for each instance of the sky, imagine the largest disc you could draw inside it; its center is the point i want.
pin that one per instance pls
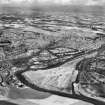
(53, 2)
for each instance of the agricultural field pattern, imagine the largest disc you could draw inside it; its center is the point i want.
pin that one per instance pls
(60, 53)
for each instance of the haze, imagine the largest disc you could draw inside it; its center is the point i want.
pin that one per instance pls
(53, 2)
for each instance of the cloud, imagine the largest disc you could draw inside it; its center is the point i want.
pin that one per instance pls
(72, 2)
(59, 2)
(55, 1)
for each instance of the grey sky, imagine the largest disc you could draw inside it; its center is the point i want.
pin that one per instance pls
(59, 2)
